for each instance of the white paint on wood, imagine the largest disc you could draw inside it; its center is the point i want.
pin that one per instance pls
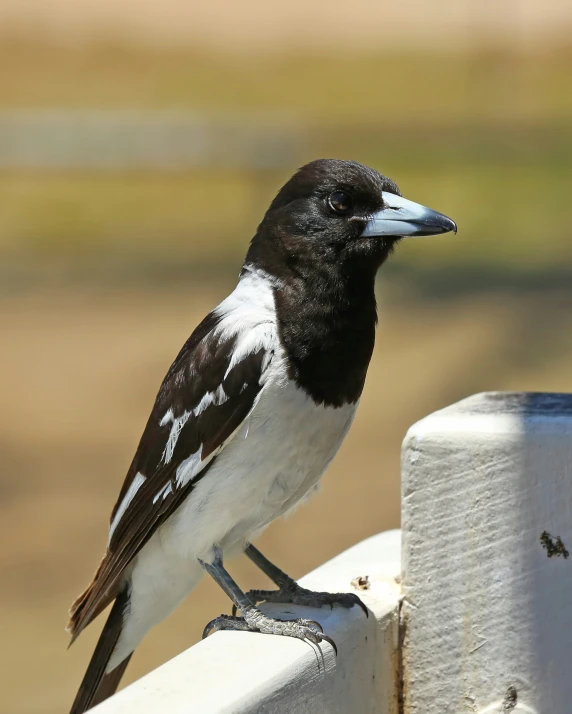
(247, 673)
(487, 614)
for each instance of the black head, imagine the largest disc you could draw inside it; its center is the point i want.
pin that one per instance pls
(338, 212)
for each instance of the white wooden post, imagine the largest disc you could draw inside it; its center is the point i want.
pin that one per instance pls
(245, 673)
(487, 581)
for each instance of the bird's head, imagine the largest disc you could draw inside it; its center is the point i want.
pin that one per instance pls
(342, 213)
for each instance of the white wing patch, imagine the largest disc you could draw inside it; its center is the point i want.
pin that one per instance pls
(249, 313)
(164, 492)
(178, 424)
(217, 398)
(167, 418)
(136, 484)
(259, 338)
(190, 467)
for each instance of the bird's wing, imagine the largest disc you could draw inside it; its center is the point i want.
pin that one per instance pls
(206, 396)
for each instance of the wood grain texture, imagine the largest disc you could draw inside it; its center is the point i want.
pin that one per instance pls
(486, 610)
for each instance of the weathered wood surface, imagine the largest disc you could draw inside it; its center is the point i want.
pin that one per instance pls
(487, 581)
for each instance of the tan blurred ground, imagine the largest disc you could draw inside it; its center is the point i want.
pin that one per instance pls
(257, 24)
(79, 372)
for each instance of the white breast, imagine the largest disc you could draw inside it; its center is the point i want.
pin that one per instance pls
(275, 460)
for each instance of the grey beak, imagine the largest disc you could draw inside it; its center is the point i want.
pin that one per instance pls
(401, 218)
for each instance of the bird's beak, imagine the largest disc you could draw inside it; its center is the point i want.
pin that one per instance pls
(401, 218)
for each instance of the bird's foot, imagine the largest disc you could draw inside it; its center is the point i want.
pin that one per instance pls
(256, 621)
(298, 595)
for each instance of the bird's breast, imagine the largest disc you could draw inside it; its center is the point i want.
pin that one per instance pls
(274, 461)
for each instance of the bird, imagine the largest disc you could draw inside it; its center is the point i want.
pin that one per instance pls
(250, 415)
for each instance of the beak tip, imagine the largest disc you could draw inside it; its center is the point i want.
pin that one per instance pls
(402, 218)
(448, 224)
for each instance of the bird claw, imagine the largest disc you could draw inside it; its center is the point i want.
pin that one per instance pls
(308, 598)
(224, 622)
(256, 621)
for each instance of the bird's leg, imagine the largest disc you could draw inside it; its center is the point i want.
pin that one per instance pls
(290, 591)
(252, 618)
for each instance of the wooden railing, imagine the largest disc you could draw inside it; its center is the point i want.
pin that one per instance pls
(475, 615)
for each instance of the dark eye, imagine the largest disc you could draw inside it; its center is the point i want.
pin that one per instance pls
(340, 202)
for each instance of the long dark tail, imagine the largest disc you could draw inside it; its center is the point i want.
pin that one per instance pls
(96, 684)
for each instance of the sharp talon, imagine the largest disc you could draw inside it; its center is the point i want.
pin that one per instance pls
(208, 629)
(234, 610)
(316, 624)
(224, 622)
(213, 626)
(329, 639)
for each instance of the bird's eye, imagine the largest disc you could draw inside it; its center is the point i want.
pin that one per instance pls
(340, 202)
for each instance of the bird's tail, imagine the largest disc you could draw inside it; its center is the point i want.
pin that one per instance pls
(97, 685)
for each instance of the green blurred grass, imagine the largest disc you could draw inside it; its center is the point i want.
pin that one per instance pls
(486, 138)
(484, 85)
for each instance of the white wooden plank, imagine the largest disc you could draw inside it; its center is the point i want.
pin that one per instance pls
(487, 613)
(246, 673)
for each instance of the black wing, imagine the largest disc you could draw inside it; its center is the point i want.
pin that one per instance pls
(203, 400)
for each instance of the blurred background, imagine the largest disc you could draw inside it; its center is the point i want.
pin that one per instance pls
(140, 144)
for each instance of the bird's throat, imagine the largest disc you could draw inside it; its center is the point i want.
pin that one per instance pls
(327, 327)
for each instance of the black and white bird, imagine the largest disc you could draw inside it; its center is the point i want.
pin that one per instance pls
(250, 414)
